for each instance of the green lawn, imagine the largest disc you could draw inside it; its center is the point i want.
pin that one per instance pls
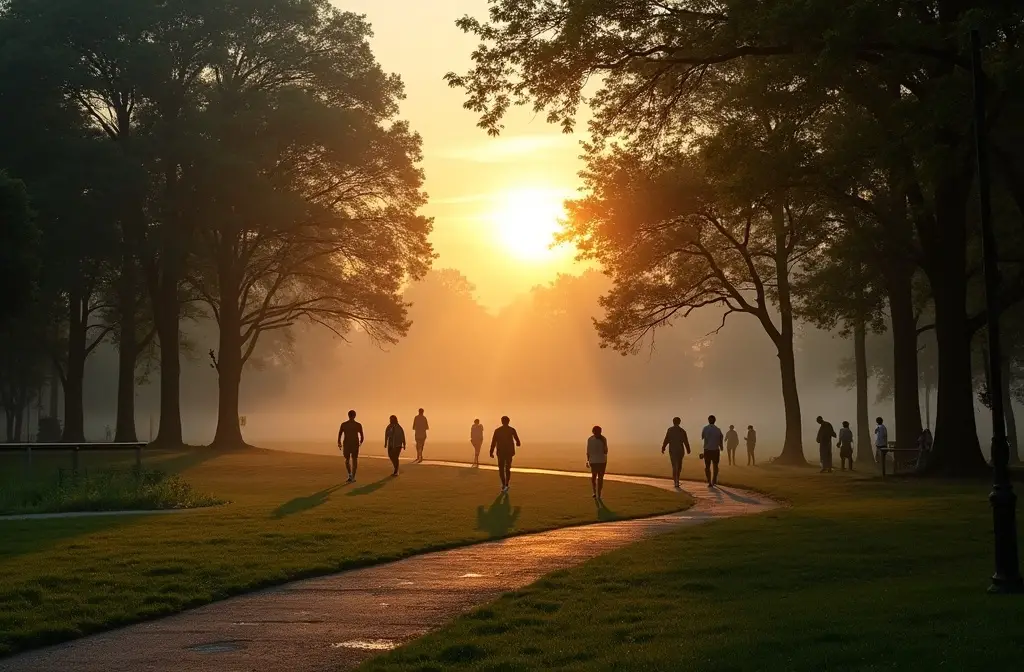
(855, 575)
(290, 516)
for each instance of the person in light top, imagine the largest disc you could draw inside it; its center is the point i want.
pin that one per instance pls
(597, 460)
(846, 445)
(476, 437)
(713, 439)
(881, 439)
(419, 430)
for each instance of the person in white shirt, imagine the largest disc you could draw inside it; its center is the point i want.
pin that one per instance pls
(476, 437)
(419, 428)
(881, 439)
(597, 460)
(713, 439)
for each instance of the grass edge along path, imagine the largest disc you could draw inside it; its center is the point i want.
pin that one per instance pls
(857, 574)
(96, 574)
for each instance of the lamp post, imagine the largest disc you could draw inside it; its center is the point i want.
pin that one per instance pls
(1006, 578)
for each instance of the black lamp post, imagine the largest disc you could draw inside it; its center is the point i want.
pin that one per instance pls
(1007, 577)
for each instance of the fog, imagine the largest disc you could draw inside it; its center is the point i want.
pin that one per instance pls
(537, 360)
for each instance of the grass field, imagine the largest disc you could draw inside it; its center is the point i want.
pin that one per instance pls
(856, 575)
(290, 516)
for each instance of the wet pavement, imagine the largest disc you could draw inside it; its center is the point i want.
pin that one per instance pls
(336, 622)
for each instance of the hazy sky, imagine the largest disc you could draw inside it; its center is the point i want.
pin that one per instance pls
(495, 200)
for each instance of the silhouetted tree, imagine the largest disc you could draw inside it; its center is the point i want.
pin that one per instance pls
(650, 56)
(308, 187)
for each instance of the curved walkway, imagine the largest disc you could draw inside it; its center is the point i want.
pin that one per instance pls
(336, 622)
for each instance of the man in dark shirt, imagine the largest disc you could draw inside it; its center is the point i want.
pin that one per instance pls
(350, 437)
(504, 442)
(676, 442)
(826, 432)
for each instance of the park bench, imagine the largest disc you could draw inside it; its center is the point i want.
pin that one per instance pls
(907, 457)
(75, 449)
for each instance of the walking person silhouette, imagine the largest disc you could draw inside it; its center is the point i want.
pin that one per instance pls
(504, 443)
(350, 438)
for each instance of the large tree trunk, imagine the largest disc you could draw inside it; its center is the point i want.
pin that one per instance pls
(166, 309)
(793, 448)
(860, 358)
(899, 287)
(229, 360)
(127, 354)
(74, 378)
(956, 450)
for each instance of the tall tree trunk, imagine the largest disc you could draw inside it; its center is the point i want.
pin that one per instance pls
(166, 315)
(229, 361)
(956, 450)
(74, 378)
(899, 287)
(860, 360)
(127, 352)
(793, 448)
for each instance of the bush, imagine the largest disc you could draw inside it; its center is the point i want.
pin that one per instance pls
(108, 490)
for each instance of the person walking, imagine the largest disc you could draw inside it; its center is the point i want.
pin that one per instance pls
(712, 437)
(846, 446)
(419, 429)
(394, 442)
(751, 444)
(676, 442)
(597, 460)
(350, 438)
(881, 440)
(476, 437)
(732, 442)
(826, 432)
(504, 442)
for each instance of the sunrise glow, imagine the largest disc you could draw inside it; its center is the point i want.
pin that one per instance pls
(526, 221)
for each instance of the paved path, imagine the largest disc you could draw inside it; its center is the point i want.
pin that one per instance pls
(336, 622)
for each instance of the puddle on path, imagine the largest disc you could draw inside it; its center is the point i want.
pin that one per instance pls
(366, 644)
(216, 647)
(472, 576)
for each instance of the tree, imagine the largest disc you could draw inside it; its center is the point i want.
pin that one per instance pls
(650, 56)
(675, 240)
(307, 187)
(19, 249)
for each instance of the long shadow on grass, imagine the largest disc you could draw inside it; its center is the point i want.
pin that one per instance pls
(300, 504)
(604, 513)
(498, 519)
(371, 488)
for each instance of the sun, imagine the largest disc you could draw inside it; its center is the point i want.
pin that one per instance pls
(526, 221)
